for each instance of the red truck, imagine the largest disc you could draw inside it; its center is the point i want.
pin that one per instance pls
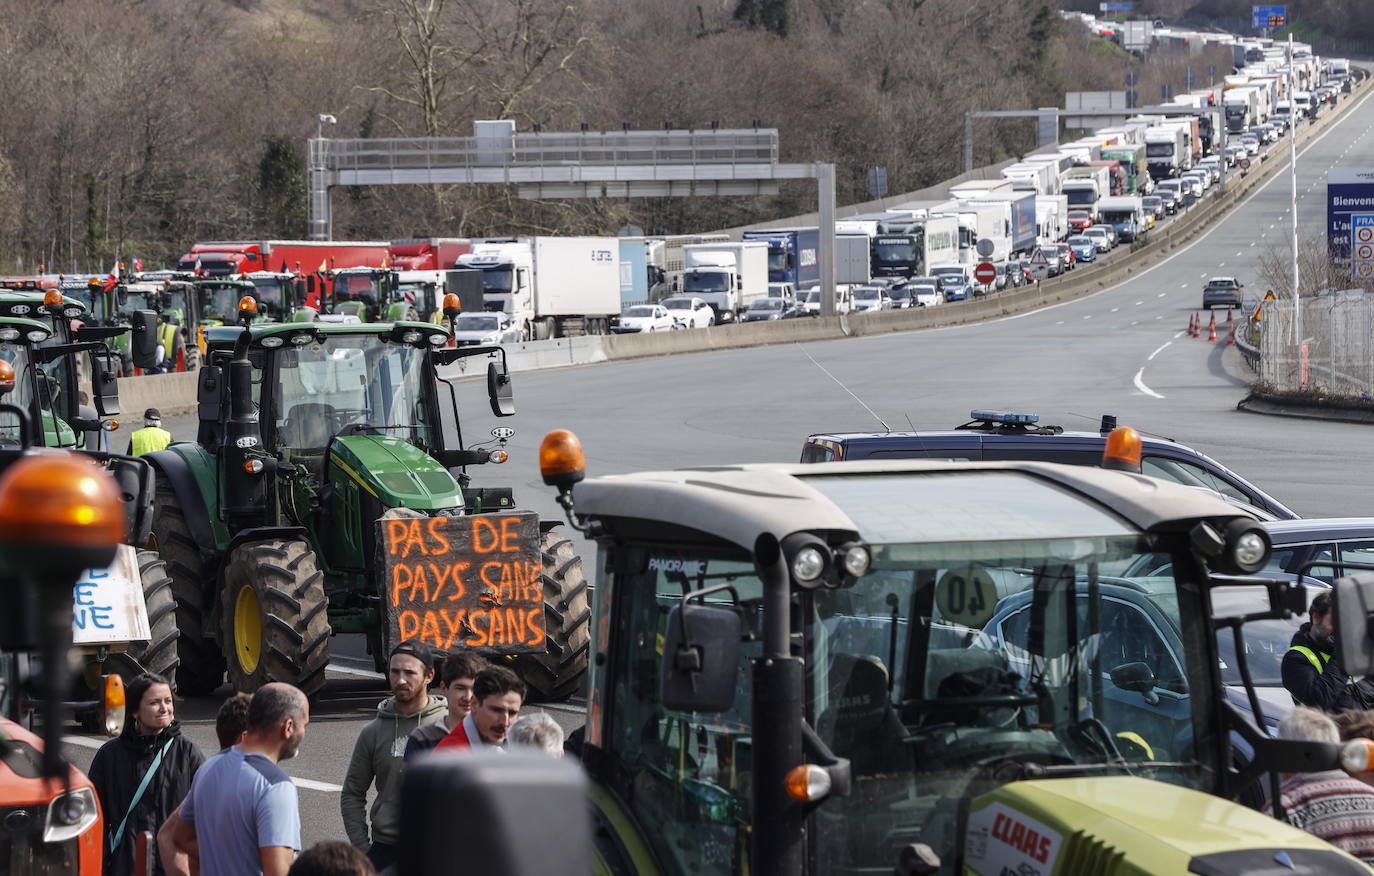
(434, 254)
(222, 258)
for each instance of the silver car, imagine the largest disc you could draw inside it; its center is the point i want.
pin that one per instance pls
(488, 327)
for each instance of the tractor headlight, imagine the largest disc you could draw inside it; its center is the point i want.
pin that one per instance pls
(20, 309)
(809, 564)
(272, 342)
(72, 312)
(437, 340)
(300, 339)
(9, 334)
(70, 815)
(411, 337)
(37, 336)
(855, 559)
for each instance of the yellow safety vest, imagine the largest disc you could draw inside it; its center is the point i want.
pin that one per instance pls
(1317, 661)
(167, 337)
(149, 439)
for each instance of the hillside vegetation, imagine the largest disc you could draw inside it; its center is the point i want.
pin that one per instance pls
(134, 127)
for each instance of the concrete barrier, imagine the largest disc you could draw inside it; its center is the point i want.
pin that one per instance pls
(169, 393)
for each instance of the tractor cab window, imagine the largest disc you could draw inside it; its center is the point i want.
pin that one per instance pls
(22, 394)
(57, 401)
(220, 301)
(360, 384)
(689, 772)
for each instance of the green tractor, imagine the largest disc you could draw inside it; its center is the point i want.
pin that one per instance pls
(50, 356)
(366, 295)
(327, 492)
(177, 305)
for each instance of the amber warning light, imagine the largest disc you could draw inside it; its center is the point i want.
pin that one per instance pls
(452, 305)
(52, 298)
(61, 502)
(1123, 450)
(561, 460)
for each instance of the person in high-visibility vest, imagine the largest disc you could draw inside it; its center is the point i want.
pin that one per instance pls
(1311, 672)
(151, 437)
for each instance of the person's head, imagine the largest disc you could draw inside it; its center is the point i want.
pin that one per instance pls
(537, 730)
(499, 694)
(152, 417)
(410, 670)
(277, 718)
(150, 703)
(232, 719)
(1355, 724)
(332, 858)
(1308, 725)
(456, 678)
(1319, 612)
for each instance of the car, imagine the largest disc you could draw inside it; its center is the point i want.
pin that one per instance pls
(484, 327)
(994, 435)
(1080, 219)
(1054, 259)
(1221, 292)
(957, 285)
(1182, 192)
(1251, 144)
(769, 309)
(1001, 281)
(1168, 198)
(871, 299)
(810, 300)
(783, 291)
(1111, 232)
(1235, 153)
(1068, 255)
(690, 312)
(902, 298)
(1083, 247)
(1099, 238)
(926, 291)
(1211, 164)
(1201, 180)
(1153, 205)
(644, 318)
(1013, 273)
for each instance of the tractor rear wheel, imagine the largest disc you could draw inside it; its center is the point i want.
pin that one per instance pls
(558, 674)
(274, 616)
(192, 357)
(201, 668)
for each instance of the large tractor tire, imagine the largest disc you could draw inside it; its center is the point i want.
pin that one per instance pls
(274, 616)
(201, 668)
(559, 674)
(192, 357)
(160, 653)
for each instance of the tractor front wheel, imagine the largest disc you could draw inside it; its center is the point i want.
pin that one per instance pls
(274, 616)
(559, 673)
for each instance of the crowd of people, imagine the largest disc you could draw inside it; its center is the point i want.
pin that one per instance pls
(238, 813)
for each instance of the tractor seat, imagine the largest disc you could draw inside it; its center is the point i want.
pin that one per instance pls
(309, 426)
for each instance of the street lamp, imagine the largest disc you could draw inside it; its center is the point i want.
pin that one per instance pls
(320, 121)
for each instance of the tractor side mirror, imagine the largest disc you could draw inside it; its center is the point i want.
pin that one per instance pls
(143, 338)
(499, 389)
(208, 393)
(701, 658)
(1136, 677)
(105, 383)
(1353, 607)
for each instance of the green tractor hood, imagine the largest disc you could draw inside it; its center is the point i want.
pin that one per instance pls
(399, 474)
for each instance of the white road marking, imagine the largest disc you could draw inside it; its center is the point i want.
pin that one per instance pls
(1158, 351)
(308, 784)
(1140, 383)
(1088, 316)
(1060, 322)
(1161, 295)
(1138, 303)
(1115, 309)
(1159, 317)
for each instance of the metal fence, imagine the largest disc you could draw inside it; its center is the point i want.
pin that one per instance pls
(1335, 356)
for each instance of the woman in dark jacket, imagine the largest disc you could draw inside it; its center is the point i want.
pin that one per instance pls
(151, 736)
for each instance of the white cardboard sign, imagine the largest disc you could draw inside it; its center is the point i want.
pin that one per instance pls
(107, 604)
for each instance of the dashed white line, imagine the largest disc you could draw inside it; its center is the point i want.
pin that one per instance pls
(1088, 316)
(1139, 382)
(1115, 309)
(1138, 303)
(1161, 295)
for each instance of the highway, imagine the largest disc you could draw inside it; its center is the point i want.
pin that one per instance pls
(1121, 351)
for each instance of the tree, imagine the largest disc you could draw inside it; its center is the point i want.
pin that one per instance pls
(282, 189)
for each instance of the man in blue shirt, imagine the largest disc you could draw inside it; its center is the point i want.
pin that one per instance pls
(241, 815)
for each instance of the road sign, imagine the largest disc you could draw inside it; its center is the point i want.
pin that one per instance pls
(1116, 7)
(1349, 193)
(985, 247)
(1245, 164)
(877, 182)
(1268, 16)
(1362, 245)
(1040, 273)
(985, 273)
(1039, 258)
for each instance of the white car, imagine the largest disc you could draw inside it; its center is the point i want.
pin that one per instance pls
(871, 298)
(645, 318)
(1251, 144)
(690, 312)
(488, 327)
(810, 300)
(926, 294)
(1100, 237)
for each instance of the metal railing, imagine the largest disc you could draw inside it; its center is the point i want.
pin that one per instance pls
(1335, 356)
(586, 148)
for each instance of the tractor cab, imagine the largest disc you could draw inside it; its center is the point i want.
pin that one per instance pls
(366, 295)
(220, 296)
(281, 295)
(916, 667)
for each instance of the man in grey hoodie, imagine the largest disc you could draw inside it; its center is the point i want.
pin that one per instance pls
(377, 756)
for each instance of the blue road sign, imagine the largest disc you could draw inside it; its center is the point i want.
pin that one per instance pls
(1117, 7)
(1349, 192)
(1268, 16)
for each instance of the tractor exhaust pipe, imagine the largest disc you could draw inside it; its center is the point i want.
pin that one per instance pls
(242, 453)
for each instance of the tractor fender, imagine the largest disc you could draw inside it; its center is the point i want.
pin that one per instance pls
(173, 467)
(261, 533)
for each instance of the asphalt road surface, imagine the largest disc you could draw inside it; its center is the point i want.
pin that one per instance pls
(1121, 351)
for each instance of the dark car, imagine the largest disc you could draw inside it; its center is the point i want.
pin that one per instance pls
(994, 435)
(901, 298)
(1154, 204)
(769, 308)
(1221, 292)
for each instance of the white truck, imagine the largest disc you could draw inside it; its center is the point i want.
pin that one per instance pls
(1242, 109)
(729, 276)
(976, 187)
(1124, 213)
(550, 286)
(1051, 219)
(1083, 186)
(981, 220)
(1041, 178)
(1166, 151)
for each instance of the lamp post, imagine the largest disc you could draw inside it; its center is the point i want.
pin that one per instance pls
(320, 121)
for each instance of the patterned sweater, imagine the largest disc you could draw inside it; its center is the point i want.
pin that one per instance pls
(1332, 806)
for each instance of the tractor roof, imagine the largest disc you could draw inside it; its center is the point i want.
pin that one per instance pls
(892, 501)
(14, 302)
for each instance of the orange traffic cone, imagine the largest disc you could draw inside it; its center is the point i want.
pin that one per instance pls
(181, 359)
(1212, 329)
(1192, 325)
(1230, 323)
(1231, 339)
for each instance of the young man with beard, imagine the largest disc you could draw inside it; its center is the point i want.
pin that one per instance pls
(455, 683)
(499, 695)
(377, 755)
(242, 815)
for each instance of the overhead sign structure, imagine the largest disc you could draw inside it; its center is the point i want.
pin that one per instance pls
(1348, 191)
(1268, 16)
(1362, 245)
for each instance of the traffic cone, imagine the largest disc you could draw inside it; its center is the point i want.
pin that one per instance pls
(1231, 339)
(1191, 319)
(1212, 329)
(181, 359)
(1230, 323)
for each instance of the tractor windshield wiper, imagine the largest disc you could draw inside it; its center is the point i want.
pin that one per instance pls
(1032, 770)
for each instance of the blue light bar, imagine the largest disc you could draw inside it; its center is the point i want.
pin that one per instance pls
(1005, 418)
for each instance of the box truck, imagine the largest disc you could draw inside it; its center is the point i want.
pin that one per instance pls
(728, 276)
(1125, 214)
(1021, 207)
(793, 254)
(1166, 151)
(1051, 219)
(932, 240)
(980, 220)
(550, 286)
